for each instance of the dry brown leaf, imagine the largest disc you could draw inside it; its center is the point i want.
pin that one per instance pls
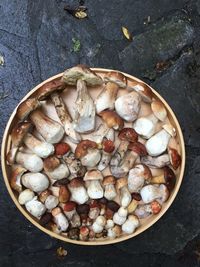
(80, 14)
(61, 252)
(127, 34)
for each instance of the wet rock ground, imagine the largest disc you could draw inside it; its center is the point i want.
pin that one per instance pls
(36, 43)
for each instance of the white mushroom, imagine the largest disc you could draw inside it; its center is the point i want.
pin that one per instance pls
(138, 176)
(142, 89)
(125, 196)
(154, 192)
(157, 144)
(25, 196)
(114, 232)
(144, 210)
(130, 224)
(99, 224)
(35, 181)
(156, 162)
(50, 130)
(109, 187)
(94, 189)
(106, 98)
(35, 207)
(128, 106)
(58, 173)
(145, 126)
(78, 191)
(98, 135)
(60, 219)
(120, 216)
(109, 224)
(69, 209)
(51, 202)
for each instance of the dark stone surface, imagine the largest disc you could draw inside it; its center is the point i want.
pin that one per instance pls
(36, 43)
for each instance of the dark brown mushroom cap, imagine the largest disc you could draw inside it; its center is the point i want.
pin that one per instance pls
(170, 178)
(138, 148)
(112, 119)
(128, 134)
(93, 175)
(26, 107)
(51, 163)
(143, 90)
(69, 206)
(76, 182)
(175, 158)
(109, 180)
(19, 132)
(81, 72)
(108, 146)
(82, 148)
(48, 88)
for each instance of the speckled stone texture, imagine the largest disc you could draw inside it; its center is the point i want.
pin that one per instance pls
(36, 43)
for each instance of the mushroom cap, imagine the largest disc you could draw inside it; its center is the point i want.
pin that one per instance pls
(11, 156)
(51, 163)
(93, 175)
(44, 194)
(112, 119)
(128, 134)
(108, 146)
(175, 158)
(116, 77)
(19, 132)
(109, 180)
(81, 72)
(159, 110)
(143, 90)
(170, 129)
(15, 179)
(25, 196)
(48, 88)
(76, 182)
(26, 107)
(170, 178)
(37, 182)
(82, 148)
(69, 206)
(121, 182)
(138, 148)
(56, 211)
(165, 192)
(144, 171)
(61, 149)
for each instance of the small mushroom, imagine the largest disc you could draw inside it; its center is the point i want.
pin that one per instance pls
(138, 176)
(15, 179)
(114, 232)
(132, 206)
(157, 144)
(156, 162)
(125, 196)
(106, 98)
(159, 110)
(84, 233)
(88, 153)
(65, 118)
(26, 107)
(83, 211)
(62, 149)
(60, 219)
(75, 220)
(51, 202)
(120, 216)
(75, 167)
(94, 188)
(144, 210)
(31, 162)
(145, 126)
(64, 194)
(175, 158)
(168, 178)
(130, 224)
(50, 130)
(142, 89)
(54, 169)
(98, 135)
(35, 207)
(99, 224)
(109, 187)
(128, 106)
(81, 76)
(94, 210)
(25, 196)
(111, 119)
(78, 191)
(19, 132)
(69, 209)
(136, 149)
(150, 193)
(37, 182)
(108, 147)
(109, 224)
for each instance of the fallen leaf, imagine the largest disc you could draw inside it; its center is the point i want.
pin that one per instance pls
(78, 12)
(127, 34)
(61, 252)
(76, 45)
(2, 61)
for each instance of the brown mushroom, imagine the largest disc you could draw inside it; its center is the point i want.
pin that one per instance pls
(78, 191)
(111, 119)
(175, 158)
(109, 187)
(142, 89)
(26, 107)
(168, 178)
(15, 179)
(156, 162)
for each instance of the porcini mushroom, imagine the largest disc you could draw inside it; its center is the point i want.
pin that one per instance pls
(174, 157)
(157, 144)
(78, 191)
(65, 118)
(107, 148)
(35, 207)
(31, 162)
(124, 194)
(138, 176)
(25, 196)
(94, 210)
(144, 210)
(15, 179)
(130, 224)
(145, 126)
(112, 119)
(99, 224)
(128, 106)
(69, 209)
(114, 232)
(156, 162)
(159, 110)
(94, 188)
(168, 178)
(88, 153)
(50, 130)
(154, 192)
(106, 98)
(26, 107)
(120, 216)
(37, 182)
(60, 219)
(81, 76)
(50, 201)
(109, 187)
(75, 167)
(55, 169)
(64, 194)
(142, 89)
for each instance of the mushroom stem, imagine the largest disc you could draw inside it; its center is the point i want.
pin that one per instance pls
(65, 117)
(51, 130)
(31, 162)
(156, 162)
(145, 126)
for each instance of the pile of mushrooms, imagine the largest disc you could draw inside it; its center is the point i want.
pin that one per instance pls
(89, 180)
